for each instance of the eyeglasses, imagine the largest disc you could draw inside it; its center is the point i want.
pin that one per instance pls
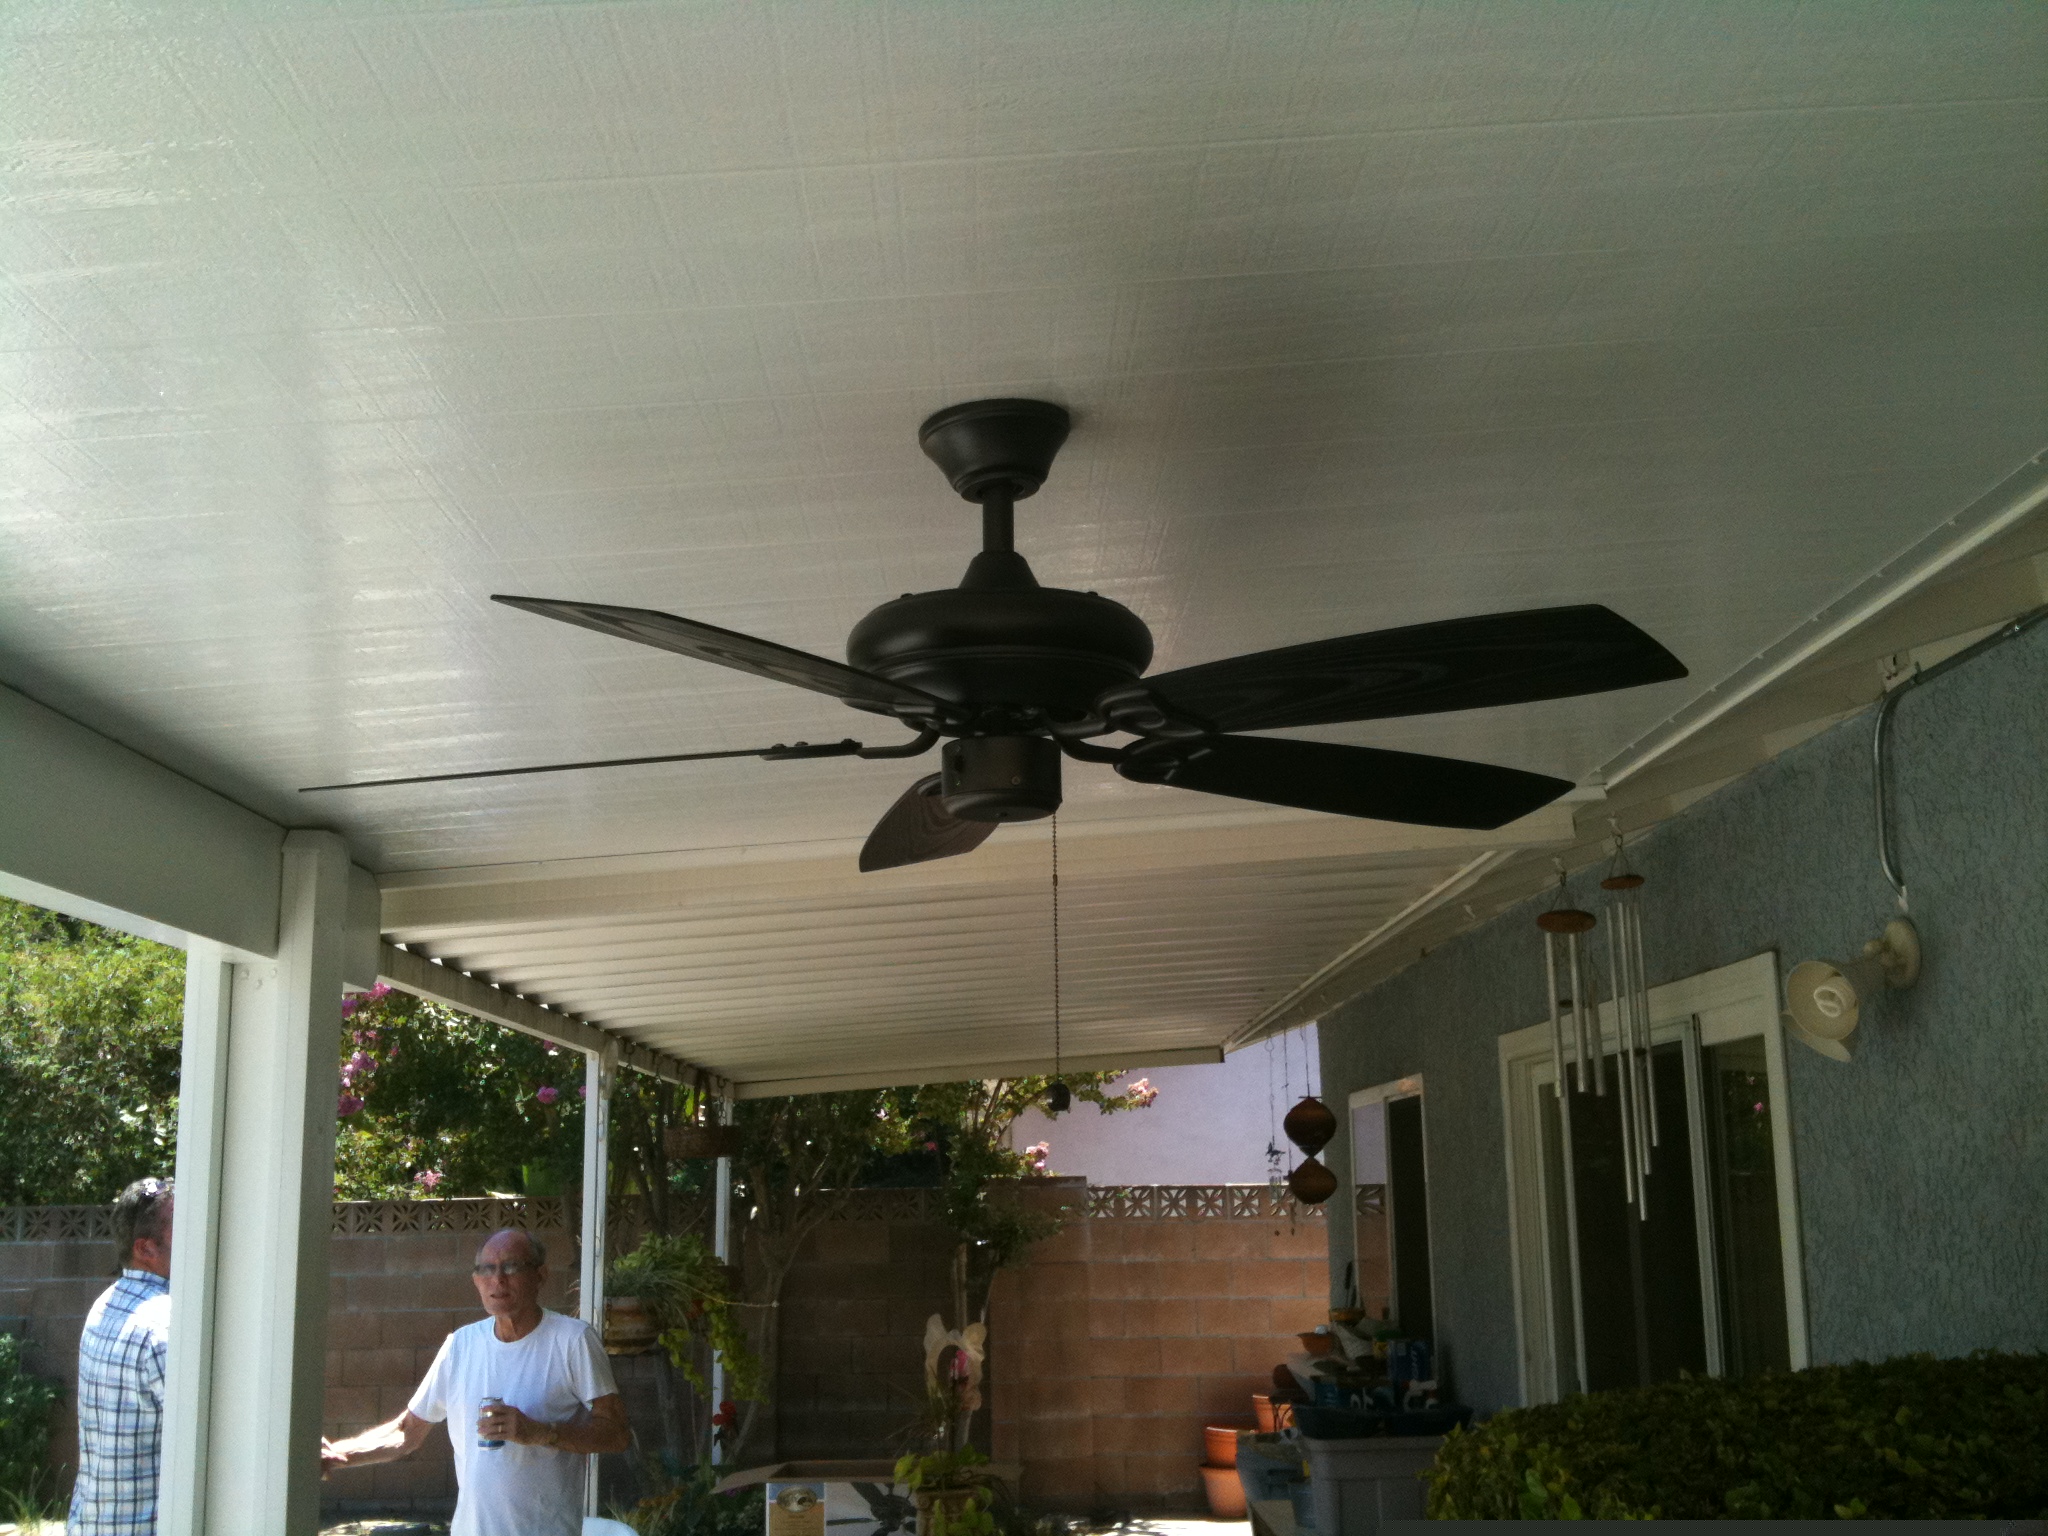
(510, 1269)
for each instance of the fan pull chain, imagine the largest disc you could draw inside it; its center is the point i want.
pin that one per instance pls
(1056, 1072)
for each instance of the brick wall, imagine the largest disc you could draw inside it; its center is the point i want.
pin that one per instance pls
(1161, 1310)
(1123, 1337)
(852, 1333)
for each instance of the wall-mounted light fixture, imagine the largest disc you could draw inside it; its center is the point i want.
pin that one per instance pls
(1824, 998)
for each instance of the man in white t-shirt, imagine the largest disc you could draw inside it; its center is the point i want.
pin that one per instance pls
(551, 1402)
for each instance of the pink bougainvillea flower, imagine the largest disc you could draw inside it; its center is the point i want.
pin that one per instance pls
(583, 1093)
(548, 1093)
(347, 1105)
(380, 991)
(1142, 1092)
(1036, 1155)
(931, 1146)
(428, 1178)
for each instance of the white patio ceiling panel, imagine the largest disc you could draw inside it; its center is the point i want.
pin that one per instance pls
(318, 324)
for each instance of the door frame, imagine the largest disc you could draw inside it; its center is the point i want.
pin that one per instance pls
(1409, 1087)
(1733, 1002)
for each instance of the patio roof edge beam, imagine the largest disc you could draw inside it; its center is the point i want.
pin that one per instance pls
(410, 971)
(960, 1071)
(117, 838)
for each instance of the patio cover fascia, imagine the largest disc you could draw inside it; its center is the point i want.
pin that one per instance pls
(275, 924)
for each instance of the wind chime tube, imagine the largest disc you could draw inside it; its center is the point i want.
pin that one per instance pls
(1631, 1180)
(1556, 1023)
(1574, 949)
(1599, 1030)
(1640, 1003)
(1649, 1050)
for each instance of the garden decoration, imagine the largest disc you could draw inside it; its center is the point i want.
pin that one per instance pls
(1310, 1125)
(952, 1375)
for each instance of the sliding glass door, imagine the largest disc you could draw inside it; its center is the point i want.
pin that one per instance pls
(1625, 1280)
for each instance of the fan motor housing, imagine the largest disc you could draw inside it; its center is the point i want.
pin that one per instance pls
(1000, 778)
(1021, 647)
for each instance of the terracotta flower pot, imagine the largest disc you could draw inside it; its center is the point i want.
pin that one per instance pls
(628, 1327)
(1219, 1444)
(1318, 1344)
(1226, 1492)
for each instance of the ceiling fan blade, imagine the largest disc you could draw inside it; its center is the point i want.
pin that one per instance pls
(1345, 781)
(1422, 669)
(729, 648)
(778, 753)
(919, 827)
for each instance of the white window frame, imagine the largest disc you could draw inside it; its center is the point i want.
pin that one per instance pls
(1385, 1093)
(1734, 1002)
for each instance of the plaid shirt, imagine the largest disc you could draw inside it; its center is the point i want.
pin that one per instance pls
(121, 1359)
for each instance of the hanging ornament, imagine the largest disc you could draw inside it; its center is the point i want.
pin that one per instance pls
(1311, 1183)
(1310, 1125)
(1635, 1059)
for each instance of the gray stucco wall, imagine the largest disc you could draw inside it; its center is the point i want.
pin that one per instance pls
(1922, 1164)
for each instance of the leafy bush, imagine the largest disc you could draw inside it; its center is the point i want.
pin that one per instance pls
(693, 1508)
(1911, 1438)
(25, 1403)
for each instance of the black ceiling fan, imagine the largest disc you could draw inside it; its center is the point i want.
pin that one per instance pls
(1014, 675)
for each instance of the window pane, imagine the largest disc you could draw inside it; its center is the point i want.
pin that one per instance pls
(1743, 1180)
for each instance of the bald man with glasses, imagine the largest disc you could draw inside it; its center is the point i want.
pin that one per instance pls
(536, 1385)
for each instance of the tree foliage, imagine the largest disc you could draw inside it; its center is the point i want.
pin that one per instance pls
(90, 1022)
(433, 1102)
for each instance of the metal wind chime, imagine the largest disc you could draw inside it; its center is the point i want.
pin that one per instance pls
(1579, 1031)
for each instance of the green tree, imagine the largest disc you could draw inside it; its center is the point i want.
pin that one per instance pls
(433, 1102)
(90, 1023)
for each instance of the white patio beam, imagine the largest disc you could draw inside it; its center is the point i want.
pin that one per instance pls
(101, 832)
(422, 976)
(962, 1071)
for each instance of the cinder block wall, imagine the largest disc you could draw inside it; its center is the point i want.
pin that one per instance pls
(1123, 1337)
(1111, 1347)
(852, 1334)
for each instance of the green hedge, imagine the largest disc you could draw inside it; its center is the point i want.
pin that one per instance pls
(1912, 1438)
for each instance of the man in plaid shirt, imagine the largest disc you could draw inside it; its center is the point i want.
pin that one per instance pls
(121, 1359)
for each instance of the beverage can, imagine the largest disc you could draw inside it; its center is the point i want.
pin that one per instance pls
(490, 1402)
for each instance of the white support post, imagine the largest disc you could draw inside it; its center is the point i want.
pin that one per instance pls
(598, 1068)
(249, 1277)
(721, 1249)
(202, 1110)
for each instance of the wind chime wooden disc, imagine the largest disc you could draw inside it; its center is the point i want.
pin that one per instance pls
(1311, 1183)
(1310, 1125)
(1621, 882)
(1565, 920)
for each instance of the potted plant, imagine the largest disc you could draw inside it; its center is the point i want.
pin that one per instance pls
(674, 1294)
(952, 1492)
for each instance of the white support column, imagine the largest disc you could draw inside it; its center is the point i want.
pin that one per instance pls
(202, 1109)
(599, 1066)
(250, 1263)
(721, 1249)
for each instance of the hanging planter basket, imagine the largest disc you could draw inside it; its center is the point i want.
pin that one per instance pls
(701, 1140)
